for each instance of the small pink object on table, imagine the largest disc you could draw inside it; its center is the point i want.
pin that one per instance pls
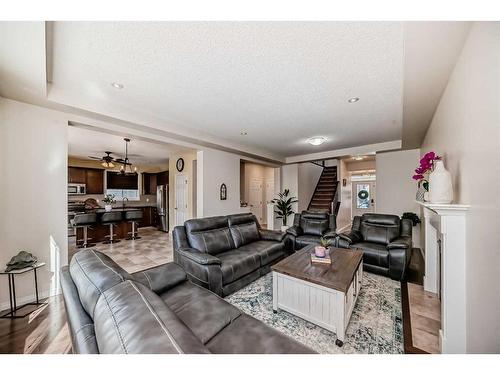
(320, 251)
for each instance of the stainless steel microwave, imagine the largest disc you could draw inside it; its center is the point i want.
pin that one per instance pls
(76, 189)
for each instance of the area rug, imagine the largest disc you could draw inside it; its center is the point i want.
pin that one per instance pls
(375, 326)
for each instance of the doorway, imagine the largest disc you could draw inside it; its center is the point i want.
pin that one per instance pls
(363, 197)
(255, 197)
(181, 198)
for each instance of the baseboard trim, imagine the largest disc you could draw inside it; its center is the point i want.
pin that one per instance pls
(26, 299)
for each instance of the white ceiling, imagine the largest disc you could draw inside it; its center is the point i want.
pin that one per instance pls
(281, 82)
(83, 143)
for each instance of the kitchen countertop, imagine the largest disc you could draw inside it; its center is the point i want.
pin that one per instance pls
(102, 210)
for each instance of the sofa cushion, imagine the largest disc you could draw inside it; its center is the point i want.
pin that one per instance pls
(209, 235)
(201, 310)
(268, 251)
(237, 263)
(373, 253)
(315, 226)
(93, 273)
(247, 335)
(130, 318)
(244, 234)
(379, 228)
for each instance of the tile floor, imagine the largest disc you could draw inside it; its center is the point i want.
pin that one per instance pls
(425, 313)
(152, 249)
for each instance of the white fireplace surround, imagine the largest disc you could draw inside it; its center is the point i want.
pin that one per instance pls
(445, 249)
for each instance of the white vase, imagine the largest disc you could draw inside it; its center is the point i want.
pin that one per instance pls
(284, 228)
(108, 207)
(440, 186)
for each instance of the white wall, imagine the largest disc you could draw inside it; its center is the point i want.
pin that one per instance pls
(344, 215)
(396, 189)
(33, 193)
(465, 130)
(214, 168)
(308, 177)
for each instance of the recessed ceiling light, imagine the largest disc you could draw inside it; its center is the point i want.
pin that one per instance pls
(117, 85)
(353, 100)
(243, 133)
(359, 157)
(316, 141)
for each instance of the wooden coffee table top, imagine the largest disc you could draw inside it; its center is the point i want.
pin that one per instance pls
(337, 275)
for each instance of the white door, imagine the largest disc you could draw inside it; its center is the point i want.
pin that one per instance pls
(363, 197)
(269, 195)
(255, 197)
(181, 199)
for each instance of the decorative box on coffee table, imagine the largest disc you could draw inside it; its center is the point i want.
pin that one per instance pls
(324, 294)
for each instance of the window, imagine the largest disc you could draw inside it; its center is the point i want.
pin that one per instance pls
(362, 196)
(119, 194)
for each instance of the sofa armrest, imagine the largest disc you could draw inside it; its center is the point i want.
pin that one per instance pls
(350, 237)
(330, 234)
(271, 235)
(403, 242)
(295, 231)
(198, 257)
(161, 278)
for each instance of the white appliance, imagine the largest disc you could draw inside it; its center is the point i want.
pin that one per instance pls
(77, 189)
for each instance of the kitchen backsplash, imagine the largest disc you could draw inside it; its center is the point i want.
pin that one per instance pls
(145, 200)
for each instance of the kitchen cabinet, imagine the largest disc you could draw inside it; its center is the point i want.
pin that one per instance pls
(93, 178)
(76, 175)
(149, 217)
(116, 180)
(151, 180)
(95, 181)
(149, 183)
(162, 178)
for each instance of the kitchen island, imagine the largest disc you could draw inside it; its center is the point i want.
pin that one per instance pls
(98, 232)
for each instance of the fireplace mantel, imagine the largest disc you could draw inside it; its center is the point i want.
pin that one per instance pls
(445, 249)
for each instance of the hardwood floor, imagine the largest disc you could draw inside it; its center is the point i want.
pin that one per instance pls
(43, 331)
(421, 310)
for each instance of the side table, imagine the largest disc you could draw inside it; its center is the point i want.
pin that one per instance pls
(12, 291)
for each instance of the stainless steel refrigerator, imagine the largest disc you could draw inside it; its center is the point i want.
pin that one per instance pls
(162, 206)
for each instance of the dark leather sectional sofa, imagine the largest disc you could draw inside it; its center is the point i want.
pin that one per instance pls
(309, 226)
(385, 240)
(156, 311)
(225, 253)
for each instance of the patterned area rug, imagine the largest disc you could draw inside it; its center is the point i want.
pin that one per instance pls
(375, 327)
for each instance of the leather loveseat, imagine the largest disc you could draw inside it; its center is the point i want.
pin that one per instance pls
(309, 226)
(225, 253)
(385, 241)
(156, 311)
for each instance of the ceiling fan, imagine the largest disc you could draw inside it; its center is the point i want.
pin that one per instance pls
(107, 160)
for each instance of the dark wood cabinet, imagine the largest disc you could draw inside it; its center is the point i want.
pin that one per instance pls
(149, 183)
(92, 177)
(95, 181)
(151, 180)
(149, 217)
(162, 178)
(76, 175)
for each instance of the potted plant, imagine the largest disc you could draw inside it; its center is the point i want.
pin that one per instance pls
(321, 250)
(284, 207)
(108, 200)
(421, 175)
(411, 216)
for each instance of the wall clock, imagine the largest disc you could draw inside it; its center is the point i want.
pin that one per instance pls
(180, 164)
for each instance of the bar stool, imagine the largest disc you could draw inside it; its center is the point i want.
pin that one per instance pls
(84, 221)
(133, 217)
(111, 218)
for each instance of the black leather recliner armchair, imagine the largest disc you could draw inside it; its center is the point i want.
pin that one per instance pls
(385, 240)
(225, 253)
(309, 226)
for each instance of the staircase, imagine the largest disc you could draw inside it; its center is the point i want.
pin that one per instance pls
(325, 197)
